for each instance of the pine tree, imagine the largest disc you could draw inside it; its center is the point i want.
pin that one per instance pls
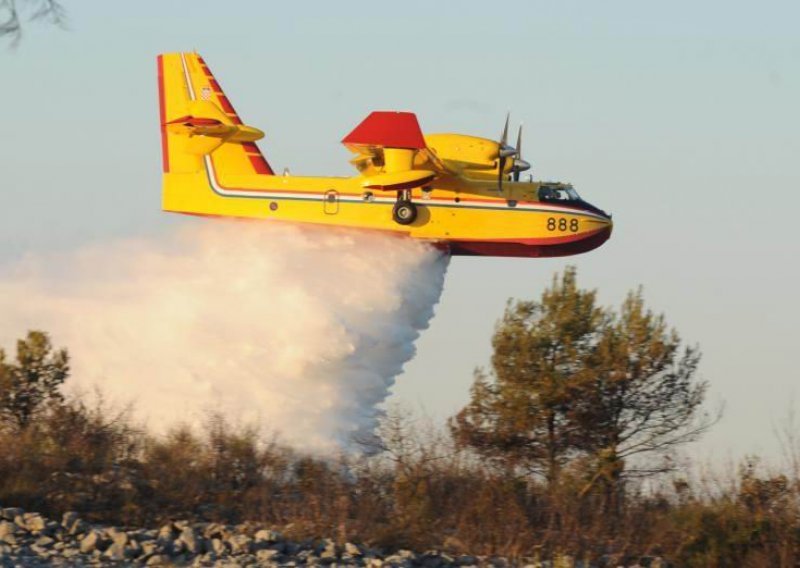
(520, 412)
(25, 386)
(572, 381)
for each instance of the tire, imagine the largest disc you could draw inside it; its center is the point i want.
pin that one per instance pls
(404, 212)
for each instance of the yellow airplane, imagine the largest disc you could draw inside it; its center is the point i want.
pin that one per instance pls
(459, 192)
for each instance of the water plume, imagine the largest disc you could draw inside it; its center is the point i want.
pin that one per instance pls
(299, 330)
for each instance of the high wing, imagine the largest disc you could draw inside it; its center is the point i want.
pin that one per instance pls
(391, 153)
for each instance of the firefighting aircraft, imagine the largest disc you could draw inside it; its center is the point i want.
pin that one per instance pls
(461, 192)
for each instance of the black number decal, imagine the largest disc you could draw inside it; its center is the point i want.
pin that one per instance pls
(562, 224)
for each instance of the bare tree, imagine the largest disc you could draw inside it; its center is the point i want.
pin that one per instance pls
(13, 12)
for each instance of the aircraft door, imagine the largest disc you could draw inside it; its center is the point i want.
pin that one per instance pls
(330, 203)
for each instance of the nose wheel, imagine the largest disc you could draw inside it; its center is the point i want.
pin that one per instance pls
(404, 211)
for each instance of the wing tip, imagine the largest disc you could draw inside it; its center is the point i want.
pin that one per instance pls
(390, 129)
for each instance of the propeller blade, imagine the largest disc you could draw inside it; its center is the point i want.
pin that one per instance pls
(504, 137)
(519, 161)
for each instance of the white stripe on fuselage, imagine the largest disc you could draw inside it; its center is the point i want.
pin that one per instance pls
(258, 194)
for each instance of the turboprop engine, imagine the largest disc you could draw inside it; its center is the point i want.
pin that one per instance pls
(479, 157)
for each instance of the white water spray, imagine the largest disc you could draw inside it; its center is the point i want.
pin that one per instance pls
(299, 330)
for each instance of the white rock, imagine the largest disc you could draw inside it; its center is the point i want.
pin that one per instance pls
(265, 535)
(267, 555)
(93, 541)
(240, 544)
(191, 540)
(352, 549)
(34, 522)
(158, 560)
(218, 546)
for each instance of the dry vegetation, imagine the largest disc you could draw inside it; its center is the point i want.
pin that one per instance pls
(420, 493)
(564, 449)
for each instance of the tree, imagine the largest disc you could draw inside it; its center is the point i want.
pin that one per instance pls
(572, 380)
(641, 396)
(27, 385)
(520, 412)
(11, 19)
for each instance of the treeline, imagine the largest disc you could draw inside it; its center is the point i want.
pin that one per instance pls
(566, 448)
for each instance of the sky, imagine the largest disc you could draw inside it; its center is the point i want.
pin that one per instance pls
(680, 118)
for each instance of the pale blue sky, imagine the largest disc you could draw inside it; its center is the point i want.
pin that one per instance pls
(681, 118)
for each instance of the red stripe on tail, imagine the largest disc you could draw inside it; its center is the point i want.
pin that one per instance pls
(162, 110)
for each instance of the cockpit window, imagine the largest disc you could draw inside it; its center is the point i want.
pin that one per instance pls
(558, 193)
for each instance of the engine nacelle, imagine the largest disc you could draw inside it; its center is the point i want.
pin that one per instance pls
(471, 155)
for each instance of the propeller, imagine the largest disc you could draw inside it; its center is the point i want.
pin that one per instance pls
(520, 165)
(504, 152)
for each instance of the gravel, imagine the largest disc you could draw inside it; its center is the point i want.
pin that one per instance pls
(31, 540)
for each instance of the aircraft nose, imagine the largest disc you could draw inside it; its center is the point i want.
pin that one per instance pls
(589, 207)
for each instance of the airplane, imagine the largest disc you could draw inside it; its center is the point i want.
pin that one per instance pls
(461, 193)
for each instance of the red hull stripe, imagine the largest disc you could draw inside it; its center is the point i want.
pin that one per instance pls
(162, 110)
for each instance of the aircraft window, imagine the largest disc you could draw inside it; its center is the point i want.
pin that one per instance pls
(557, 194)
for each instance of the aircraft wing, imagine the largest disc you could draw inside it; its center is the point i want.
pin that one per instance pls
(389, 145)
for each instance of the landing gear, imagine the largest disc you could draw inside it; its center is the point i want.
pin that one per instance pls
(404, 211)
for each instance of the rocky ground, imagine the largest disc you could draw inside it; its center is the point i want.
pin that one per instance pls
(29, 539)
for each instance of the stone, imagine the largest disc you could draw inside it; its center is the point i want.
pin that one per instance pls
(352, 550)
(117, 551)
(117, 536)
(69, 518)
(41, 550)
(33, 522)
(267, 555)
(158, 560)
(213, 530)
(240, 544)
(269, 536)
(397, 560)
(79, 527)
(11, 513)
(149, 548)
(218, 546)
(191, 540)
(70, 552)
(93, 541)
(133, 549)
(175, 547)
(8, 532)
(44, 541)
(167, 532)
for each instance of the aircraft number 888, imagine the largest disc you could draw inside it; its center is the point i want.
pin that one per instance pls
(562, 224)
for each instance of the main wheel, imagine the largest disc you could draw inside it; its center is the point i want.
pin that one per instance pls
(404, 212)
